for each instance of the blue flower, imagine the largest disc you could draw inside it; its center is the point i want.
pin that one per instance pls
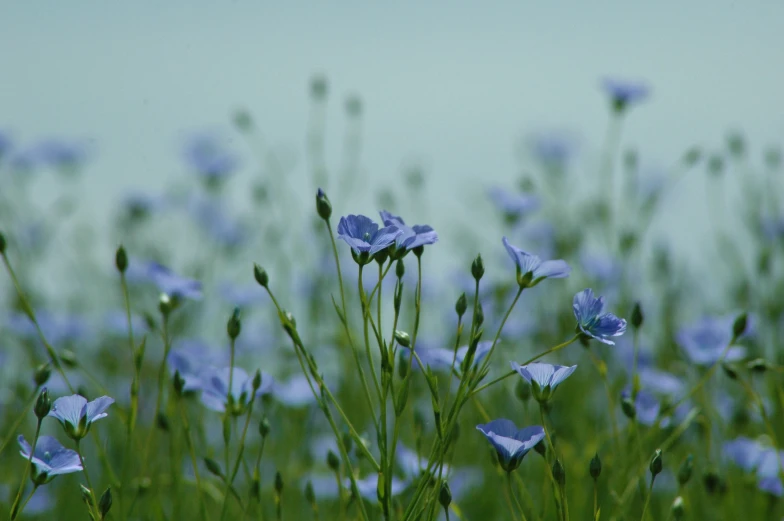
(511, 443)
(411, 236)
(553, 149)
(138, 205)
(591, 321)
(116, 323)
(706, 340)
(50, 459)
(544, 378)
(193, 359)
(242, 296)
(295, 392)
(364, 236)
(624, 93)
(76, 414)
(744, 452)
(440, 358)
(514, 205)
(214, 385)
(211, 217)
(6, 143)
(172, 284)
(647, 408)
(772, 485)
(59, 153)
(208, 158)
(531, 270)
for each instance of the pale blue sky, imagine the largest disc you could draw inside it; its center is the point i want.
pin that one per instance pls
(452, 83)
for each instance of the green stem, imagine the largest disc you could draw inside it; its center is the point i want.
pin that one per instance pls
(366, 331)
(192, 451)
(27, 469)
(24, 504)
(512, 494)
(15, 427)
(94, 505)
(648, 499)
(134, 392)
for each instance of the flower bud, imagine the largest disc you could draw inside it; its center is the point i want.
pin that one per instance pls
(461, 305)
(758, 365)
(162, 421)
(278, 482)
(3, 244)
(523, 390)
(42, 374)
(87, 496)
(234, 325)
(712, 481)
(260, 274)
(400, 269)
(677, 509)
(243, 121)
(213, 467)
(310, 495)
(716, 165)
(595, 467)
(637, 316)
(105, 503)
(739, 326)
(541, 448)
(323, 206)
(478, 268)
(319, 87)
(692, 156)
(256, 381)
(729, 370)
(656, 463)
(121, 259)
(628, 407)
(178, 382)
(264, 427)
(480, 314)
(559, 473)
(684, 473)
(43, 404)
(445, 495)
(403, 338)
(333, 462)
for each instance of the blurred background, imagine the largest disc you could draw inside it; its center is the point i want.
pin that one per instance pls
(451, 89)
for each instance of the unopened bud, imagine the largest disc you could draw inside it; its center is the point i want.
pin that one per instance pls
(637, 316)
(42, 374)
(523, 390)
(333, 462)
(628, 407)
(310, 495)
(559, 474)
(323, 206)
(595, 467)
(234, 325)
(105, 503)
(677, 509)
(656, 463)
(260, 274)
(121, 260)
(684, 473)
(278, 483)
(739, 326)
(400, 269)
(445, 495)
(3, 244)
(403, 338)
(461, 305)
(256, 381)
(213, 467)
(478, 268)
(43, 404)
(179, 383)
(264, 427)
(729, 370)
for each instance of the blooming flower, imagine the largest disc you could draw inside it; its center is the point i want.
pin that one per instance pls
(624, 93)
(706, 340)
(552, 148)
(531, 270)
(514, 205)
(50, 459)
(215, 221)
(511, 443)
(440, 358)
(61, 154)
(592, 322)
(364, 236)
(411, 236)
(544, 378)
(214, 385)
(295, 392)
(76, 414)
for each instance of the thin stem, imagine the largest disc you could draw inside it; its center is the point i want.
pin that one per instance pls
(595, 500)
(512, 494)
(530, 360)
(500, 328)
(28, 309)
(366, 331)
(24, 504)
(192, 451)
(134, 392)
(159, 396)
(648, 499)
(94, 504)
(508, 497)
(26, 470)
(15, 427)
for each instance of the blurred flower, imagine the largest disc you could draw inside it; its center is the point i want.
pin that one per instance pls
(544, 378)
(706, 340)
(192, 358)
(660, 382)
(440, 359)
(647, 408)
(243, 296)
(601, 268)
(138, 205)
(58, 153)
(206, 156)
(294, 392)
(772, 485)
(531, 270)
(513, 205)
(588, 310)
(624, 93)
(744, 452)
(50, 459)
(57, 328)
(6, 143)
(511, 443)
(166, 280)
(411, 236)
(368, 486)
(552, 148)
(364, 236)
(214, 387)
(116, 323)
(76, 414)
(213, 219)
